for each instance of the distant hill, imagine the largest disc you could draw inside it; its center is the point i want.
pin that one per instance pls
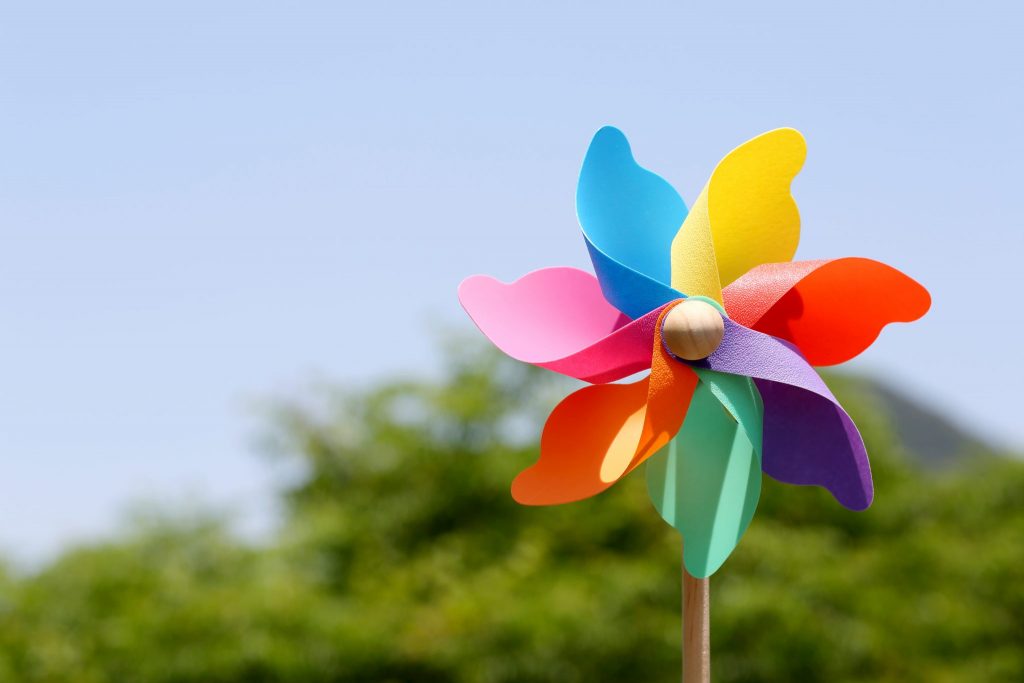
(928, 435)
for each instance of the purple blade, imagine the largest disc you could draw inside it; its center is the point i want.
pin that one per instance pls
(811, 440)
(808, 437)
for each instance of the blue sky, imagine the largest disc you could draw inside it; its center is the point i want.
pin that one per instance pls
(203, 205)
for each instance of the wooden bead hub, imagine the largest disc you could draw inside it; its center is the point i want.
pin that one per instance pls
(693, 329)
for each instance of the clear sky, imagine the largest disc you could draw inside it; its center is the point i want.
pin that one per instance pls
(203, 205)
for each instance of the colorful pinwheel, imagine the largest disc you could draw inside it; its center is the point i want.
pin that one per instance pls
(729, 393)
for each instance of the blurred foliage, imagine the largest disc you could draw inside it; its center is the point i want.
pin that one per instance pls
(402, 558)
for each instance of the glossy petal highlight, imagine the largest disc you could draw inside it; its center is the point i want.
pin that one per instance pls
(831, 310)
(629, 217)
(558, 319)
(598, 434)
(744, 216)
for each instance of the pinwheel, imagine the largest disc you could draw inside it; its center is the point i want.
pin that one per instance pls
(730, 328)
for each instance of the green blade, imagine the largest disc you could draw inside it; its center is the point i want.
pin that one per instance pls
(706, 482)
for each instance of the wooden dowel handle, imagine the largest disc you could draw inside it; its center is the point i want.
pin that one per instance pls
(696, 629)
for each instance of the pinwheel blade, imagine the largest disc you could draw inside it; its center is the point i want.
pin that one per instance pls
(557, 318)
(707, 481)
(599, 434)
(629, 217)
(808, 437)
(831, 310)
(745, 215)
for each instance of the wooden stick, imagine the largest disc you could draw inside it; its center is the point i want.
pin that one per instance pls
(696, 629)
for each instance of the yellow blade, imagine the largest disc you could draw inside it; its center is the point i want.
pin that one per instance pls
(744, 216)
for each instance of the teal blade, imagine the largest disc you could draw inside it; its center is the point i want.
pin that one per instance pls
(706, 482)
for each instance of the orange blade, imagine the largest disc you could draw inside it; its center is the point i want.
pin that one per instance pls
(598, 434)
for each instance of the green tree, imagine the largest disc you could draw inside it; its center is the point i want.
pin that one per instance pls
(401, 557)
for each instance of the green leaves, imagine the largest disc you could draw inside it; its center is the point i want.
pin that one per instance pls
(401, 557)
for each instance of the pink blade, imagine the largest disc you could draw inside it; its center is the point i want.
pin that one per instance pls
(557, 318)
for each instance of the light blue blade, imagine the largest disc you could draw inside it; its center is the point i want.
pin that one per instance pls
(706, 482)
(629, 217)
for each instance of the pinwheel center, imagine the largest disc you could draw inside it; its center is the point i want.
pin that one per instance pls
(693, 329)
